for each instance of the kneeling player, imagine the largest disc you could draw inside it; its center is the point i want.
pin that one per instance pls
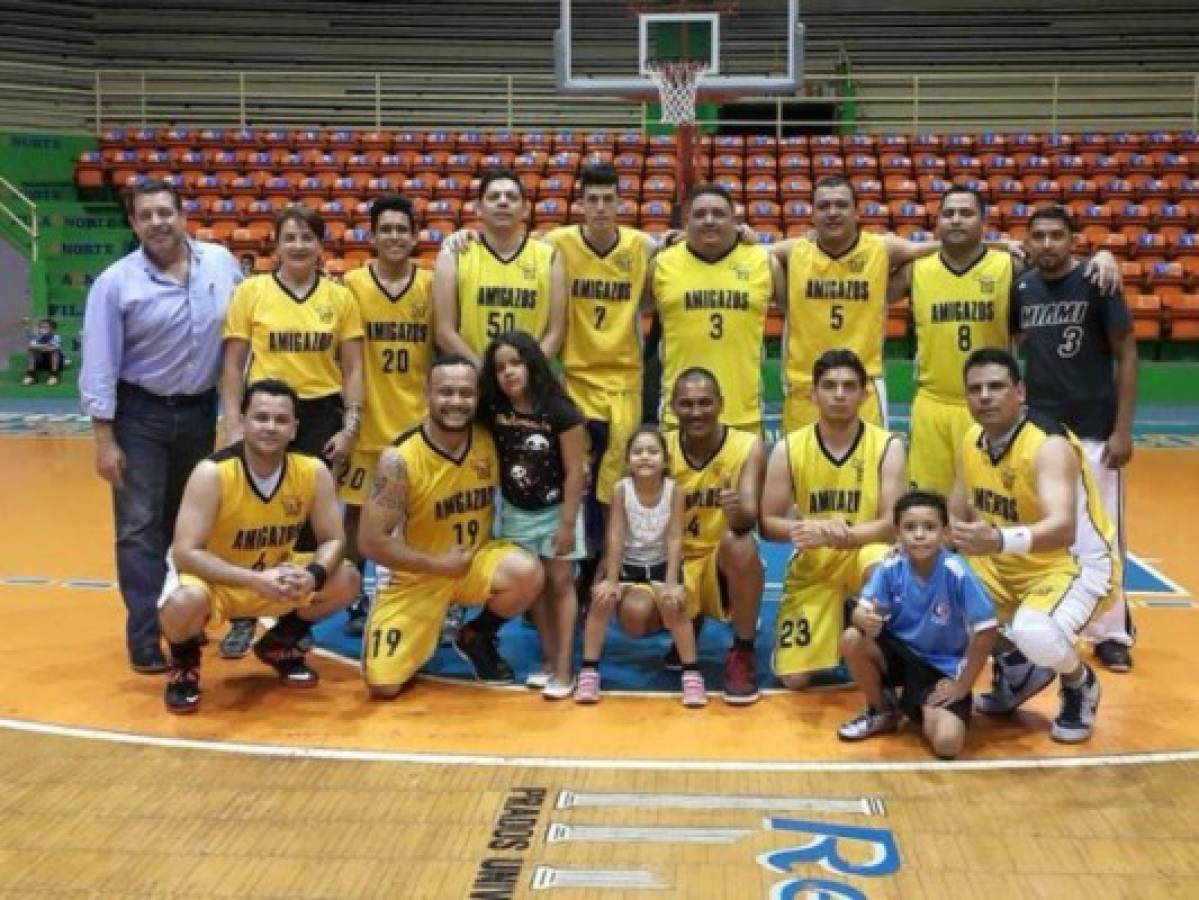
(923, 625)
(830, 488)
(428, 519)
(241, 514)
(1027, 513)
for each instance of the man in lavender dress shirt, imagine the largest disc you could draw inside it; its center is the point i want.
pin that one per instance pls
(151, 358)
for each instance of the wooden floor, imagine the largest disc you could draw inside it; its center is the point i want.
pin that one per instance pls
(324, 794)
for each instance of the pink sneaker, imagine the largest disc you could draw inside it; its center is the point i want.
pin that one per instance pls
(694, 694)
(587, 690)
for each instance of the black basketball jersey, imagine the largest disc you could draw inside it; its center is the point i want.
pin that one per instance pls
(1067, 326)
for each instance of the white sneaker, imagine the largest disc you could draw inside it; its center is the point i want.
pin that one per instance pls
(538, 679)
(555, 689)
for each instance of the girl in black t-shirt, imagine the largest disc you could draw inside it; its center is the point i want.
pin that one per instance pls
(541, 443)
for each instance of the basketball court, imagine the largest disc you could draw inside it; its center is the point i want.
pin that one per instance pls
(458, 790)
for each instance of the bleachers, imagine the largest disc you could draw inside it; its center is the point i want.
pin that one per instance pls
(1134, 194)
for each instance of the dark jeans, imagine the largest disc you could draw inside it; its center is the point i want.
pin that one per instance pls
(162, 440)
(43, 361)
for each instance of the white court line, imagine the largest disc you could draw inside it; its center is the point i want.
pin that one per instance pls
(558, 762)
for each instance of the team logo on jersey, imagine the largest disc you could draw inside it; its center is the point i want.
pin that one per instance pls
(941, 611)
(741, 271)
(420, 309)
(857, 263)
(859, 470)
(1008, 477)
(986, 284)
(528, 270)
(324, 312)
(482, 467)
(292, 506)
(623, 261)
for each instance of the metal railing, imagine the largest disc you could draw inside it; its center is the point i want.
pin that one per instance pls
(18, 209)
(89, 100)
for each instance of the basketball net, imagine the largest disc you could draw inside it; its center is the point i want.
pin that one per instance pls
(677, 82)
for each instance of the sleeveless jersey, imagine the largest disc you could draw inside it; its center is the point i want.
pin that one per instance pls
(603, 336)
(294, 338)
(835, 302)
(646, 526)
(497, 295)
(450, 503)
(396, 354)
(956, 313)
(714, 315)
(253, 531)
(1004, 491)
(827, 488)
(701, 482)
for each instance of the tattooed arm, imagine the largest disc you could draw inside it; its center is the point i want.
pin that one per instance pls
(385, 518)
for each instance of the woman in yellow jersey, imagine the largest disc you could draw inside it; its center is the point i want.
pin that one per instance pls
(296, 325)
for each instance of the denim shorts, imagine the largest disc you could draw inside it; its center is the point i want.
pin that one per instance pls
(534, 530)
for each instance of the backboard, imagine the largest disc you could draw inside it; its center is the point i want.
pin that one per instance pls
(751, 47)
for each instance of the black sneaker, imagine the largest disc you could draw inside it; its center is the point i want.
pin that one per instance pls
(287, 660)
(182, 693)
(480, 653)
(236, 642)
(671, 661)
(148, 660)
(1076, 717)
(356, 615)
(1114, 656)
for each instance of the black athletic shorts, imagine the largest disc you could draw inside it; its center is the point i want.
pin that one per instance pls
(915, 679)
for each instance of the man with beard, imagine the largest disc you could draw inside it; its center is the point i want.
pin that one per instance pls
(428, 519)
(234, 549)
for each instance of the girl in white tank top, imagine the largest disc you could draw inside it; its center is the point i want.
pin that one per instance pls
(641, 574)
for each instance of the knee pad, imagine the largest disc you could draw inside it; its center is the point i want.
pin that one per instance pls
(1043, 640)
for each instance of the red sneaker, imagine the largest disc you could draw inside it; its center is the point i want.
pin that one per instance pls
(740, 677)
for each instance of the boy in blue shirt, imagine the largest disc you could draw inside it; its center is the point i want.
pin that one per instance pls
(923, 625)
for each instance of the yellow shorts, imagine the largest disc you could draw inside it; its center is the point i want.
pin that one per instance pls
(225, 602)
(1068, 589)
(620, 411)
(937, 431)
(799, 409)
(706, 591)
(405, 619)
(811, 614)
(355, 474)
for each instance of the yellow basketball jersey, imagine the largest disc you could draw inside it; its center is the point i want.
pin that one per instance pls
(450, 502)
(835, 302)
(956, 313)
(603, 337)
(1004, 491)
(294, 338)
(396, 354)
(714, 315)
(701, 482)
(824, 487)
(497, 294)
(253, 531)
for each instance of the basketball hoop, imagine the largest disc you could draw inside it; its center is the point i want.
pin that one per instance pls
(677, 82)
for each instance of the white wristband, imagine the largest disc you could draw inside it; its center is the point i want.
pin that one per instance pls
(1015, 540)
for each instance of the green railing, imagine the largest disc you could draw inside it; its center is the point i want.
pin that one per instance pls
(18, 218)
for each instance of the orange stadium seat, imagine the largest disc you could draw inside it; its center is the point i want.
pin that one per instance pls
(335, 212)
(440, 142)
(762, 187)
(1067, 165)
(1058, 143)
(594, 141)
(341, 139)
(932, 186)
(374, 140)
(536, 140)
(556, 186)
(898, 319)
(867, 187)
(1142, 164)
(731, 183)
(563, 162)
(999, 164)
(661, 163)
(1167, 279)
(442, 214)
(797, 211)
(794, 164)
(991, 142)
(962, 164)
(658, 187)
(859, 143)
(862, 164)
(927, 143)
(1182, 312)
(792, 143)
(825, 143)
(89, 170)
(627, 211)
(503, 142)
(1032, 165)
(1177, 162)
(893, 143)
(825, 164)
(1045, 190)
(896, 164)
(655, 215)
(728, 164)
(796, 187)
(306, 138)
(874, 215)
(532, 161)
(462, 164)
(1184, 246)
(905, 212)
(568, 141)
(1161, 140)
(550, 213)
(628, 185)
(1148, 249)
(900, 187)
(471, 142)
(763, 212)
(451, 187)
(728, 143)
(1092, 142)
(1004, 187)
(502, 159)
(631, 163)
(926, 163)
(630, 142)
(408, 140)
